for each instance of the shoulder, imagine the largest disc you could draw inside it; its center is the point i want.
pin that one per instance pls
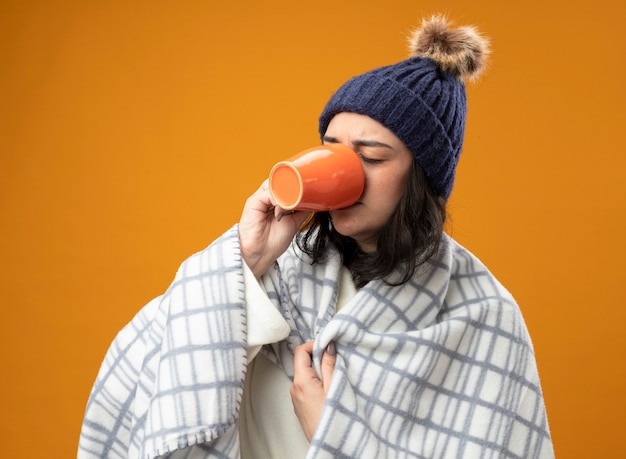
(475, 294)
(470, 276)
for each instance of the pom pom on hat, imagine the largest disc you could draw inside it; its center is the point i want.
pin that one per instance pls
(422, 99)
(462, 52)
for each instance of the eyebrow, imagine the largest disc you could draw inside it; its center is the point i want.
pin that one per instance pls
(359, 143)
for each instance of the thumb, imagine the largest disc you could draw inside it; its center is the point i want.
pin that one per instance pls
(328, 364)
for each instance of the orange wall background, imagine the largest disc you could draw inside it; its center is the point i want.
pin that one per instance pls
(131, 133)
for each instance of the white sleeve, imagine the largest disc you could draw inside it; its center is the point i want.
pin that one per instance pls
(265, 323)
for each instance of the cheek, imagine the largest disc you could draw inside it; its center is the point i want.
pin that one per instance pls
(376, 181)
(388, 187)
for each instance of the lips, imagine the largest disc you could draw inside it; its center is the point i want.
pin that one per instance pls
(349, 207)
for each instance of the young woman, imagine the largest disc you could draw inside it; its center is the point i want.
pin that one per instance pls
(361, 332)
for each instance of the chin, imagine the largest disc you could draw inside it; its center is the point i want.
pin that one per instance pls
(346, 223)
(343, 226)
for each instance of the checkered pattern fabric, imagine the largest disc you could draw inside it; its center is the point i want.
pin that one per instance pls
(441, 367)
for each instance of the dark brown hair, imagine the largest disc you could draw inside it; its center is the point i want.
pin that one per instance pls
(410, 237)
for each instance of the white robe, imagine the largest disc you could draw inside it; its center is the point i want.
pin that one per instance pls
(268, 426)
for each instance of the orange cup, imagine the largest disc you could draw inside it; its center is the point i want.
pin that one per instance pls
(326, 177)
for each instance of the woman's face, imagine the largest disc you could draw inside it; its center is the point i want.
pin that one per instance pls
(386, 164)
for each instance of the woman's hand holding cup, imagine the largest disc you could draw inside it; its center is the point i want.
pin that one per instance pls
(266, 230)
(321, 178)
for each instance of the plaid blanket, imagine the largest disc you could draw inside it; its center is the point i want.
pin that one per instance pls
(439, 367)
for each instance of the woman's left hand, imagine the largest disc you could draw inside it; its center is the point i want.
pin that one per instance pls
(308, 392)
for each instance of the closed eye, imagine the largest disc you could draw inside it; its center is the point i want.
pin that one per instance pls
(358, 145)
(368, 160)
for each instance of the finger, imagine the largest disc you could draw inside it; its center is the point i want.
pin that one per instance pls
(260, 200)
(295, 218)
(280, 216)
(302, 360)
(329, 358)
